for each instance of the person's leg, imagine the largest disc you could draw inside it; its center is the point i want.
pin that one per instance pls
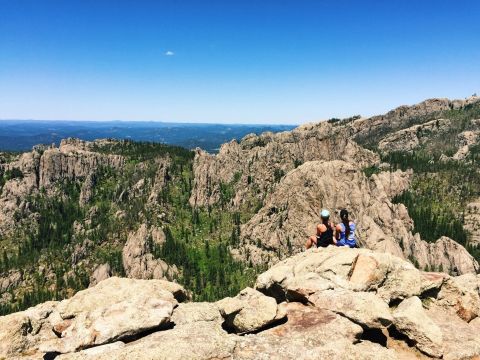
(312, 240)
(341, 243)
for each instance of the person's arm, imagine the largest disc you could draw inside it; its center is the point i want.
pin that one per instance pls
(335, 235)
(311, 240)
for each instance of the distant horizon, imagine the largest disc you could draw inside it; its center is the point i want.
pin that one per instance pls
(249, 62)
(191, 122)
(22, 135)
(162, 121)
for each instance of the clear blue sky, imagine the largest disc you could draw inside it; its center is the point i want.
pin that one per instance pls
(232, 61)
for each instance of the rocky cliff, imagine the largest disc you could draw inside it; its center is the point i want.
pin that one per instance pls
(74, 215)
(290, 215)
(327, 303)
(372, 130)
(257, 163)
(266, 173)
(43, 168)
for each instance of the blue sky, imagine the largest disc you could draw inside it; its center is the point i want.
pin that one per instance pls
(232, 61)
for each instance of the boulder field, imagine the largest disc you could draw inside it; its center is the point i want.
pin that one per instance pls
(323, 303)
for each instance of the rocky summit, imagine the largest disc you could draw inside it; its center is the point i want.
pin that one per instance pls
(323, 303)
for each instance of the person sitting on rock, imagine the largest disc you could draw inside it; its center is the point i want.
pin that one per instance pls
(345, 231)
(324, 235)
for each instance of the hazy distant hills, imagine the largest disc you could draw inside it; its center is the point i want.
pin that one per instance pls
(21, 135)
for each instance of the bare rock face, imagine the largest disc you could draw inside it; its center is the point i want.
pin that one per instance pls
(466, 139)
(412, 137)
(263, 172)
(191, 313)
(333, 302)
(100, 273)
(86, 192)
(363, 308)
(249, 311)
(402, 116)
(111, 291)
(22, 333)
(201, 340)
(358, 270)
(411, 319)
(12, 279)
(461, 293)
(358, 278)
(15, 191)
(472, 221)
(110, 323)
(113, 310)
(310, 333)
(73, 159)
(290, 215)
(434, 256)
(160, 180)
(259, 161)
(138, 260)
(43, 167)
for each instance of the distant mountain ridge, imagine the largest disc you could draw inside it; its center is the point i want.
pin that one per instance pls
(22, 135)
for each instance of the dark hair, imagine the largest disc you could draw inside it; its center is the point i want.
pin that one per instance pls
(345, 221)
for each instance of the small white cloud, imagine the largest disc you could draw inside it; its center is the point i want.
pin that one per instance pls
(169, 53)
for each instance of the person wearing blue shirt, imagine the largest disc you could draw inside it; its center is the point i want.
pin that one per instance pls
(345, 231)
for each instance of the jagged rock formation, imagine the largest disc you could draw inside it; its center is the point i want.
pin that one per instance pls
(250, 311)
(323, 303)
(95, 193)
(100, 273)
(414, 136)
(472, 221)
(466, 139)
(265, 168)
(376, 127)
(72, 159)
(160, 179)
(43, 167)
(290, 215)
(260, 161)
(138, 261)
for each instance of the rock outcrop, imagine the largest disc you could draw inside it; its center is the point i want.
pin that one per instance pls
(258, 162)
(466, 139)
(71, 160)
(290, 215)
(265, 175)
(139, 262)
(250, 311)
(43, 167)
(413, 137)
(100, 273)
(412, 320)
(376, 127)
(327, 303)
(280, 181)
(472, 221)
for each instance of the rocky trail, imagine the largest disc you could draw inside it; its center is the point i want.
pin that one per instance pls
(323, 303)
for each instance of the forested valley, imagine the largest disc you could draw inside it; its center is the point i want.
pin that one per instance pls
(56, 259)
